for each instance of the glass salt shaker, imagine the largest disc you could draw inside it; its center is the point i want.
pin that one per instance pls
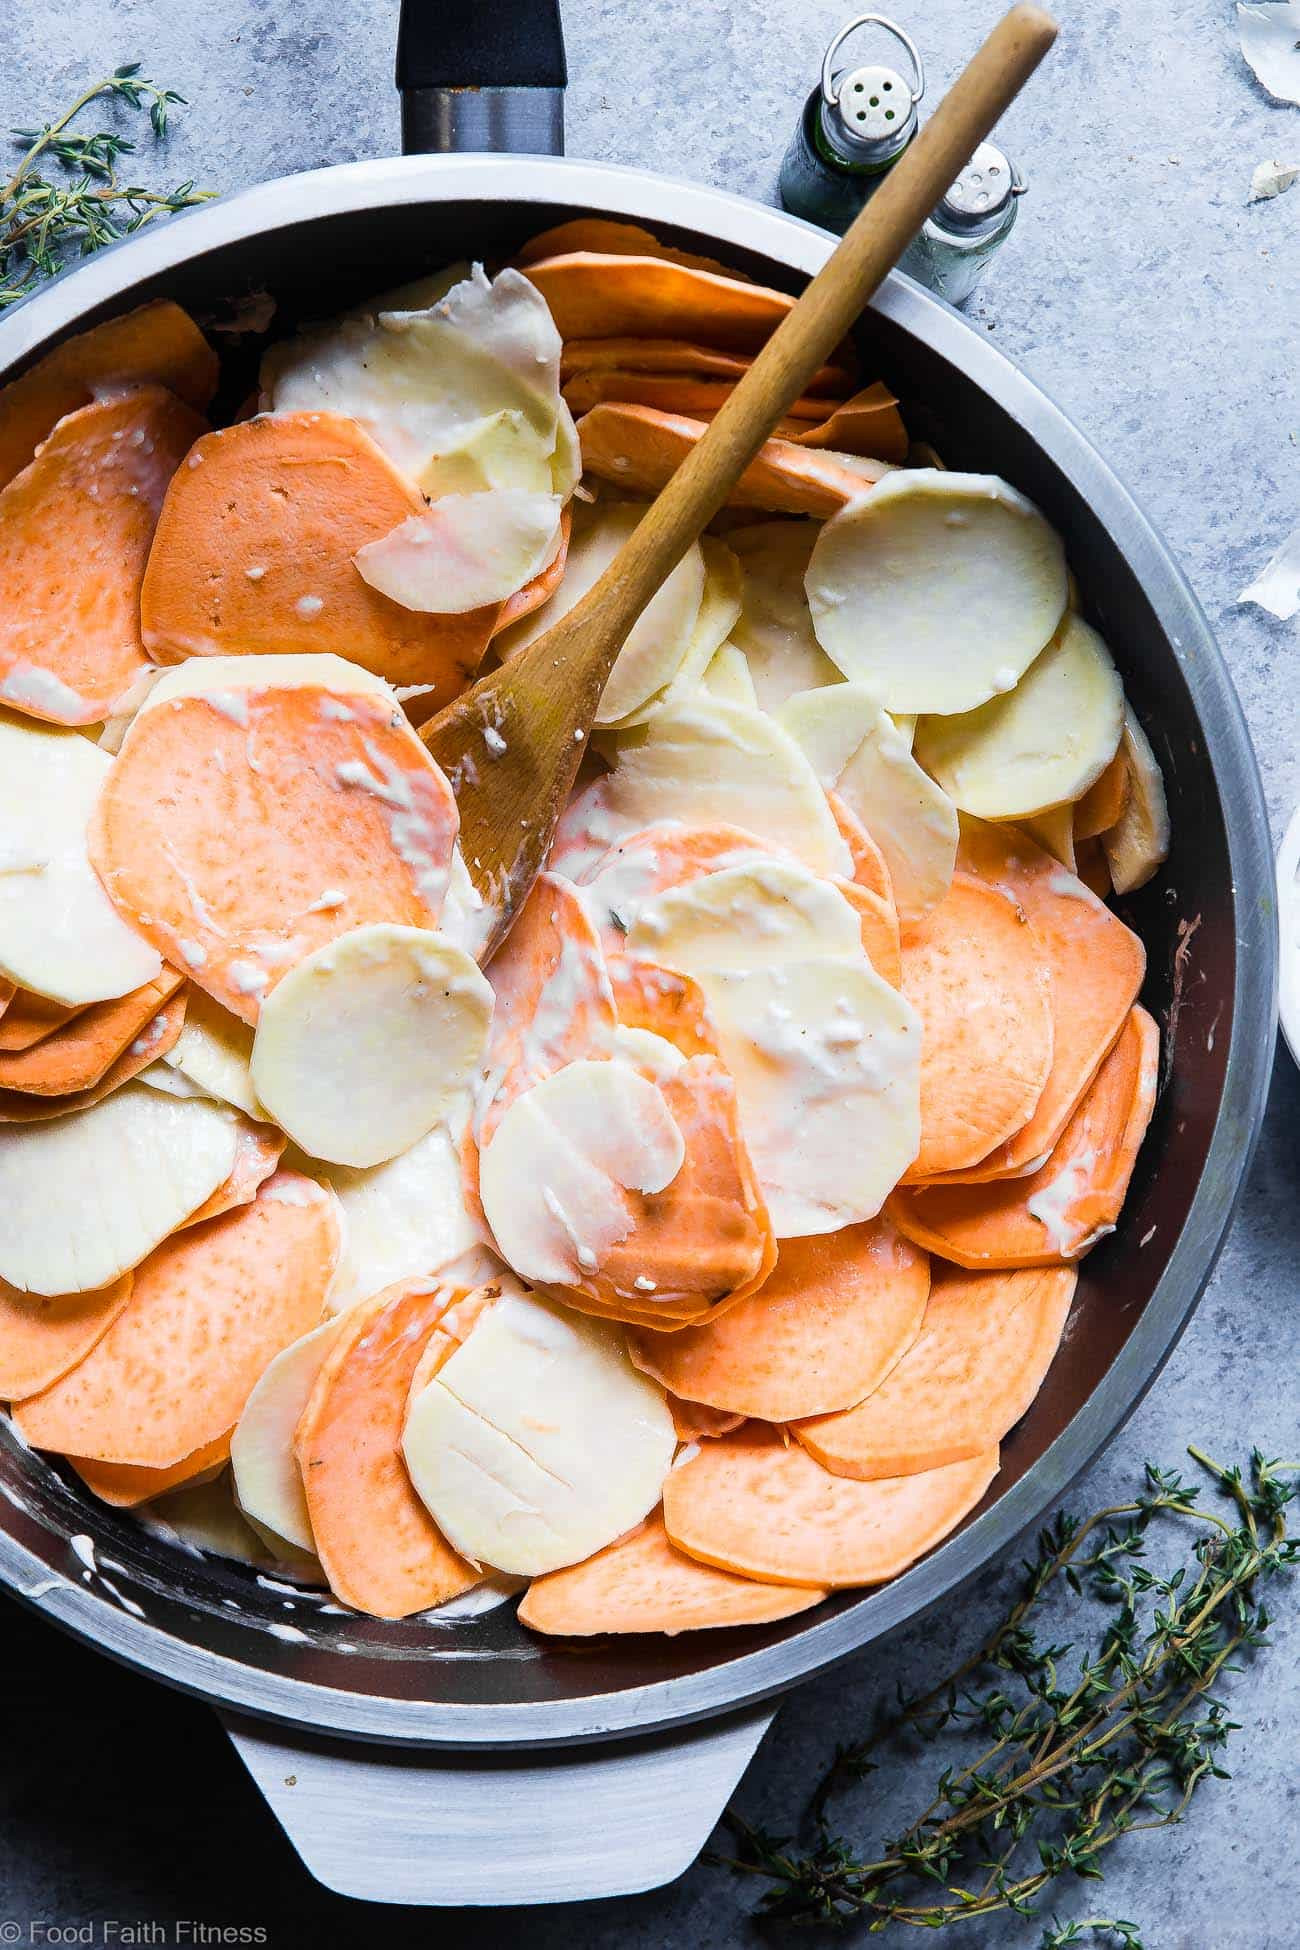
(951, 251)
(853, 128)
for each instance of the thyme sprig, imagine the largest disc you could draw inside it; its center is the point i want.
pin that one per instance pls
(47, 219)
(1076, 1749)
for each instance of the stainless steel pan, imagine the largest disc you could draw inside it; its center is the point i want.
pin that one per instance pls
(468, 1762)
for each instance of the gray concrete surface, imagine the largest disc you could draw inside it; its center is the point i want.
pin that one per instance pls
(1163, 314)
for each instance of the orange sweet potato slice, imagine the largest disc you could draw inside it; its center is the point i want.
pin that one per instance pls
(158, 345)
(28, 1018)
(75, 530)
(160, 1033)
(259, 1148)
(42, 1339)
(607, 237)
(681, 392)
(679, 356)
(695, 1420)
(1056, 1213)
(1102, 804)
(126, 1485)
(76, 1056)
(869, 424)
(254, 554)
(869, 868)
(643, 1583)
(594, 294)
(878, 922)
(978, 975)
(754, 1504)
(837, 1313)
(211, 1307)
(241, 834)
(381, 1550)
(1096, 968)
(543, 585)
(985, 1345)
(552, 1000)
(641, 448)
(670, 1005)
(704, 1242)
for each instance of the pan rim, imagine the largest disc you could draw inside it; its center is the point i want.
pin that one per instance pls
(621, 191)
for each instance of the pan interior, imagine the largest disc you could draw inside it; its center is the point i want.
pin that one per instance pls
(1187, 919)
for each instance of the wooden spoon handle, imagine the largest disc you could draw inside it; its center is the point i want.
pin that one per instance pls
(823, 315)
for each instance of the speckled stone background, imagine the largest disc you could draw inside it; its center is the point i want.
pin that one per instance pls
(1163, 314)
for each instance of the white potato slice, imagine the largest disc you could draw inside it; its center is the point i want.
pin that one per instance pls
(728, 677)
(366, 1044)
(464, 551)
(1138, 843)
(424, 381)
(719, 608)
(775, 628)
(268, 1482)
(538, 1442)
(703, 761)
(1042, 745)
(60, 935)
(161, 1076)
(466, 918)
(213, 1052)
(937, 590)
(661, 636)
(758, 915)
(203, 1516)
(224, 677)
(552, 1178)
(401, 1219)
(644, 1050)
(826, 1060)
(857, 750)
(87, 1196)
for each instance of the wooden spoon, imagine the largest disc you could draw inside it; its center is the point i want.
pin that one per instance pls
(538, 708)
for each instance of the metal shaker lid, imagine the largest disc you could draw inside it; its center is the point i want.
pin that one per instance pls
(870, 112)
(982, 192)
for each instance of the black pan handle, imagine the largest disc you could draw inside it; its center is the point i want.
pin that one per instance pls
(481, 74)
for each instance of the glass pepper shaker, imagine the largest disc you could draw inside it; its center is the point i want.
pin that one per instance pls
(951, 251)
(853, 128)
(852, 131)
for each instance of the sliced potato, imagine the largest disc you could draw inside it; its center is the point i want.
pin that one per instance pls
(268, 1482)
(221, 677)
(937, 590)
(538, 1442)
(654, 1055)
(775, 629)
(858, 751)
(60, 935)
(366, 1044)
(553, 1177)
(213, 1052)
(759, 915)
(465, 551)
(86, 1197)
(707, 763)
(460, 391)
(826, 1060)
(401, 1219)
(728, 677)
(659, 639)
(719, 608)
(1139, 842)
(1042, 745)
